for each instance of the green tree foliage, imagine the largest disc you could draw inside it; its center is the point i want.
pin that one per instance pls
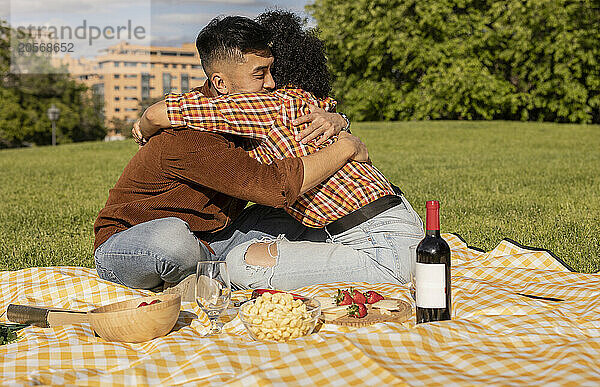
(464, 59)
(146, 103)
(27, 97)
(120, 126)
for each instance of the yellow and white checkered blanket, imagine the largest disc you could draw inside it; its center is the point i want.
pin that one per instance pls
(496, 337)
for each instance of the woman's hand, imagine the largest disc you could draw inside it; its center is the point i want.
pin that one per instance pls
(322, 123)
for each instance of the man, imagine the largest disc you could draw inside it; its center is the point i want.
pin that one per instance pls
(181, 187)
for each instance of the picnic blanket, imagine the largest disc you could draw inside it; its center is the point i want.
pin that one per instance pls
(499, 334)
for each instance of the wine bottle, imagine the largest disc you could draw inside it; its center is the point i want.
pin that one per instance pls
(433, 286)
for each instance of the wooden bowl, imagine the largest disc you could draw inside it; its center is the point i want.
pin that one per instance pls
(124, 321)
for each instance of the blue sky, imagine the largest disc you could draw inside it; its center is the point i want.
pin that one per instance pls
(176, 21)
(167, 22)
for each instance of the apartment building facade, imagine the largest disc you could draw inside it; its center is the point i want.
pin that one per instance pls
(125, 74)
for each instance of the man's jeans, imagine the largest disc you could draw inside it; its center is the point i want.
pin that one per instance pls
(165, 250)
(375, 251)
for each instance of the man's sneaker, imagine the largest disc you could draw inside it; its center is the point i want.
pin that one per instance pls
(186, 288)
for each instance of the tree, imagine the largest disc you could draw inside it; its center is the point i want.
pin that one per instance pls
(464, 59)
(120, 126)
(147, 102)
(26, 98)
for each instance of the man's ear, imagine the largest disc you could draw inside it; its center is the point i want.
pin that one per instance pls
(217, 81)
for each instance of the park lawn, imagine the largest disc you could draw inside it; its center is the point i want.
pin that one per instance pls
(534, 183)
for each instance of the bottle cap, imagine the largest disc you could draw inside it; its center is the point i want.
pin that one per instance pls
(433, 215)
(433, 204)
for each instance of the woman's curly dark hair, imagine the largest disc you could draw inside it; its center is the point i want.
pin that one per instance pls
(299, 54)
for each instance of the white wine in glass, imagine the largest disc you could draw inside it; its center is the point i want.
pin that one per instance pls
(213, 291)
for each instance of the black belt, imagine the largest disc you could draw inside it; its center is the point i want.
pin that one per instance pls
(363, 214)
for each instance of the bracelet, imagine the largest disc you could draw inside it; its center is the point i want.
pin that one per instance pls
(347, 127)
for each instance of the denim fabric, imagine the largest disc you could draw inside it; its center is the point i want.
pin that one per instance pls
(148, 254)
(375, 251)
(165, 250)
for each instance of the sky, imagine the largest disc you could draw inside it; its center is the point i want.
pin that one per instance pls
(163, 22)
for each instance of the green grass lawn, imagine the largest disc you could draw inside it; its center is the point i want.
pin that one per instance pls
(534, 183)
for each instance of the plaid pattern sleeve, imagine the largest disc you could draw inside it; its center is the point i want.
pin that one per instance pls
(174, 103)
(266, 119)
(250, 114)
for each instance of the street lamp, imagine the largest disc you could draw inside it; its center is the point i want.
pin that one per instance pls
(53, 114)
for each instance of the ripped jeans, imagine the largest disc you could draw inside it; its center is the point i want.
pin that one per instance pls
(166, 250)
(376, 251)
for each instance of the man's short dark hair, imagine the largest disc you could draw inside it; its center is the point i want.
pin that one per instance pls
(229, 38)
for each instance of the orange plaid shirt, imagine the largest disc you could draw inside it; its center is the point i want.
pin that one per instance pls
(265, 119)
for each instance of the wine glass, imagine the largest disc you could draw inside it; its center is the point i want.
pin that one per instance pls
(213, 291)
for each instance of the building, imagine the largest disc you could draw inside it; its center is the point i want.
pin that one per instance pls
(125, 74)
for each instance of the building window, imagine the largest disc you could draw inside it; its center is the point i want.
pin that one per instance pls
(117, 64)
(117, 88)
(167, 83)
(174, 66)
(130, 98)
(116, 76)
(130, 87)
(131, 109)
(117, 110)
(143, 64)
(130, 64)
(166, 66)
(185, 83)
(117, 98)
(145, 85)
(186, 54)
(197, 67)
(98, 89)
(130, 76)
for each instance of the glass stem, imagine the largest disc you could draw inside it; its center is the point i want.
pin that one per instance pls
(214, 325)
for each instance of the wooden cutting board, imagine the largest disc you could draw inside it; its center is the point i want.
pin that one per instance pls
(375, 316)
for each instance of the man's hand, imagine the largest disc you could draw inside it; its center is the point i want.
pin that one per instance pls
(328, 160)
(361, 154)
(322, 123)
(136, 132)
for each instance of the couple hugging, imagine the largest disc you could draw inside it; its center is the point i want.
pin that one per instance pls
(261, 129)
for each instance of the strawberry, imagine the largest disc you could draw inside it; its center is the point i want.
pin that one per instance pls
(358, 297)
(343, 298)
(357, 310)
(144, 303)
(373, 297)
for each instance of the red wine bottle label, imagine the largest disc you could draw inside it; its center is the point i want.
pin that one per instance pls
(430, 281)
